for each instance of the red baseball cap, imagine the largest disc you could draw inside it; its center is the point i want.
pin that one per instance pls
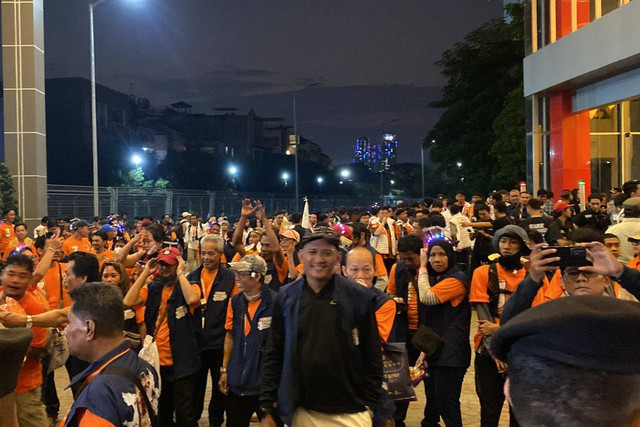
(560, 206)
(169, 256)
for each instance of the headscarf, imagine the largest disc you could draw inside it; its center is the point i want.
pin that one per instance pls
(452, 269)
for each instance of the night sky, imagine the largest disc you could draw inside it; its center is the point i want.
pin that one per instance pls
(374, 58)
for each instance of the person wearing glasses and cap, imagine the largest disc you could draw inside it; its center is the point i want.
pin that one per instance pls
(248, 323)
(322, 364)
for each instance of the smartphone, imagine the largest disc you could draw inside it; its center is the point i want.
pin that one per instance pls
(570, 256)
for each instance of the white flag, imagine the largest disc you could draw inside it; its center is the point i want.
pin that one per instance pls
(305, 215)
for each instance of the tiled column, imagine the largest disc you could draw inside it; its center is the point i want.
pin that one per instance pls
(24, 106)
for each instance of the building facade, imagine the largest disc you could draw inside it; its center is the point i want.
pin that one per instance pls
(582, 90)
(376, 156)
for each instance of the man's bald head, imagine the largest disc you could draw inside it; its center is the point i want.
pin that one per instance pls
(359, 266)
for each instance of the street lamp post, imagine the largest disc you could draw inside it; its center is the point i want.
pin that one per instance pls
(297, 142)
(94, 121)
(319, 180)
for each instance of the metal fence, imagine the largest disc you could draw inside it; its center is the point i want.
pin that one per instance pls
(74, 201)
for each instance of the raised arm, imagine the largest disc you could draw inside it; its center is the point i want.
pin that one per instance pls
(274, 243)
(54, 244)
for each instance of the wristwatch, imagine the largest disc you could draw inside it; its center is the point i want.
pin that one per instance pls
(223, 370)
(29, 323)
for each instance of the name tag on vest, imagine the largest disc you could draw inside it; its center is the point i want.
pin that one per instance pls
(181, 312)
(264, 323)
(219, 296)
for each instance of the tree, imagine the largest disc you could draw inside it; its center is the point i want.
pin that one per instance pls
(7, 193)
(480, 74)
(510, 147)
(135, 179)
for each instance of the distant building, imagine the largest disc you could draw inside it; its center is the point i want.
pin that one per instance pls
(128, 126)
(69, 152)
(376, 156)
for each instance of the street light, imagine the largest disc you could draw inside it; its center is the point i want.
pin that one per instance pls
(233, 170)
(392, 182)
(459, 164)
(345, 173)
(94, 120)
(136, 160)
(295, 135)
(319, 180)
(285, 178)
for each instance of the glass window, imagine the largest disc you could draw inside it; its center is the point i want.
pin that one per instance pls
(604, 162)
(634, 115)
(634, 158)
(608, 6)
(604, 119)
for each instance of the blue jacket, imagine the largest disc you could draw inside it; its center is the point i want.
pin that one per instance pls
(279, 378)
(214, 309)
(184, 330)
(109, 396)
(244, 371)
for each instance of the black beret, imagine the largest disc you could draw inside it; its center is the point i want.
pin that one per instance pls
(14, 344)
(589, 331)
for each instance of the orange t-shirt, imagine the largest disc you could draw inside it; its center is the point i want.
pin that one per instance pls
(30, 375)
(412, 298)
(252, 307)
(634, 263)
(479, 293)
(450, 290)
(381, 270)
(7, 234)
(385, 316)
(162, 333)
(53, 283)
(206, 280)
(72, 245)
(14, 244)
(106, 256)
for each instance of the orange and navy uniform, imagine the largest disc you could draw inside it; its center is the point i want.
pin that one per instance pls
(479, 294)
(162, 333)
(411, 300)
(72, 245)
(106, 399)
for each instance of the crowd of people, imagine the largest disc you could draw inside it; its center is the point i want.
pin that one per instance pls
(291, 315)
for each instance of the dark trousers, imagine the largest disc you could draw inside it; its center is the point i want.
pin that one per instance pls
(402, 407)
(490, 391)
(177, 395)
(443, 387)
(49, 395)
(240, 409)
(211, 363)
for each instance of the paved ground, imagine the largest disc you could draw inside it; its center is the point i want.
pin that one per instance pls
(468, 399)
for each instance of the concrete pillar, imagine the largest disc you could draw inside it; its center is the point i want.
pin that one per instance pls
(24, 106)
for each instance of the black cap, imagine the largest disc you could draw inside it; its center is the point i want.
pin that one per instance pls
(322, 232)
(14, 344)
(590, 331)
(79, 223)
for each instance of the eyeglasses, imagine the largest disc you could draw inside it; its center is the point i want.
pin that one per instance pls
(571, 275)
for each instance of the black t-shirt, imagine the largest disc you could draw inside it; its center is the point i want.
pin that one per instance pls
(539, 224)
(499, 223)
(326, 382)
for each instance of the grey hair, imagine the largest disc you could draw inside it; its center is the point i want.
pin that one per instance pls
(215, 239)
